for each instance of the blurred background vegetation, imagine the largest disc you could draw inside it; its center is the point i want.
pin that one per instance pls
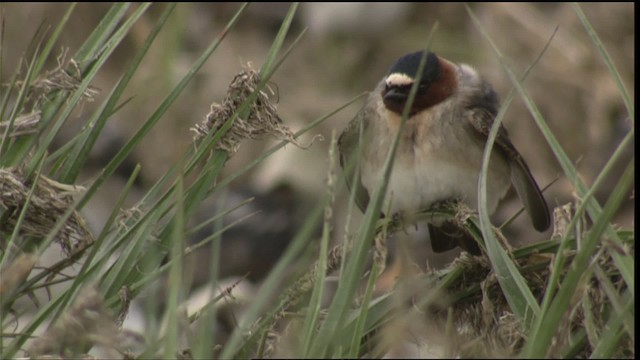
(346, 51)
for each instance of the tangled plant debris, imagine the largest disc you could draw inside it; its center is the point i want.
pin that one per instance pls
(259, 119)
(24, 124)
(61, 79)
(49, 202)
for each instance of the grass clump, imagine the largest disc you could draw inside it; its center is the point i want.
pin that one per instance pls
(569, 296)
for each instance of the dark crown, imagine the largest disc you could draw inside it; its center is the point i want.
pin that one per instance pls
(410, 63)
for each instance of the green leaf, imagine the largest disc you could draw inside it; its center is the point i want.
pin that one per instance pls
(544, 329)
(513, 284)
(96, 123)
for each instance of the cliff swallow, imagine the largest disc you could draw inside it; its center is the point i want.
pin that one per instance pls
(440, 151)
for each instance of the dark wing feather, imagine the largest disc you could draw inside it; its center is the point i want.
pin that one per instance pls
(348, 145)
(481, 118)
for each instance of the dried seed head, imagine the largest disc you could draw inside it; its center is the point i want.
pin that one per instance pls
(24, 124)
(67, 76)
(261, 117)
(49, 202)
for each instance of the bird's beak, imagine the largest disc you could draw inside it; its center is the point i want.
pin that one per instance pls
(395, 95)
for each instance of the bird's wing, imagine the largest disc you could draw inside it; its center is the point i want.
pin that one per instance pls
(349, 145)
(482, 119)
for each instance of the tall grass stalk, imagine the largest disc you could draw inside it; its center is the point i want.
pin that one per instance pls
(137, 246)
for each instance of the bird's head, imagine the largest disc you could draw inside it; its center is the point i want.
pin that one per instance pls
(437, 83)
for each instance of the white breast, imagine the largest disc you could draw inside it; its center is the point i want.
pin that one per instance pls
(431, 167)
(413, 188)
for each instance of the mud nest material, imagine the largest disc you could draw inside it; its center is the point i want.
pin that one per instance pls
(488, 318)
(259, 118)
(49, 202)
(461, 311)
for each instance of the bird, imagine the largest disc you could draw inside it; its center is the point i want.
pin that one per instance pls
(439, 154)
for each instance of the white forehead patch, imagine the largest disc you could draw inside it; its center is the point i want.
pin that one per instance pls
(469, 71)
(398, 79)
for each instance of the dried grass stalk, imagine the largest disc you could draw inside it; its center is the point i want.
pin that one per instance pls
(24, 124)
(49, 202)
(261, 119)
(483, 321)
(61, 79)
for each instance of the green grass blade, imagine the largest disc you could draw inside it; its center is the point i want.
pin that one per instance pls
(593, 207)
(87, 77)
(88, 271)
(228, 179)
(14, 235)
(237, 346)
(207, 329)
(161, 110)
(176, 281)
(41, 54)
(101, 34)
(355, 264)
(313, 309)
(12, 158)
(546, 326)
(607, 60)
(513, 284)
(552, 311)
(46, 50)
(81, 152)
(617, 300)
(265, 74)
(64, 300)
(607, 347)
(52, 107)
(357, 335)
(267, 66)
(39, 318)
